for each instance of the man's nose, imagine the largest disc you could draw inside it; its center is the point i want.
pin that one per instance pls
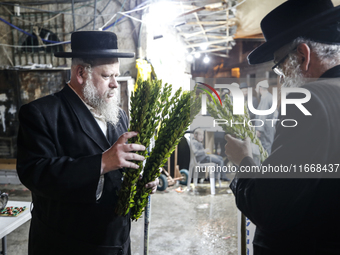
(113, 82)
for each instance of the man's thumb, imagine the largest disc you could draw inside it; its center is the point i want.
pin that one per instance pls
(228, 137)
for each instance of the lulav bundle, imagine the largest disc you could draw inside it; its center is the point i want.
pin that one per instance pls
(226, 112)
(173, 126)
(144, 119)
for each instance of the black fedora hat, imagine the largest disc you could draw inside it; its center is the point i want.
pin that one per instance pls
(94, 44)
(316, 20)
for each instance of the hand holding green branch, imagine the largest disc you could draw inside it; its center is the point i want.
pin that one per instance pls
(239, 131)
(152, 108)
(144, 115)
(172, 128)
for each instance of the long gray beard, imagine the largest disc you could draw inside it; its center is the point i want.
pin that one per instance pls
(295, 78)
(110, 110)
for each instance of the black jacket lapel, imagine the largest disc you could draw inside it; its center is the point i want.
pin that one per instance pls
(85, 118)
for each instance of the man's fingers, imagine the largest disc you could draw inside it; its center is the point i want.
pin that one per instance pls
(124, 137)
(134, 156)
(152, 185)
(133, 147)
(129, 164)
(229, 138)
(154, 190)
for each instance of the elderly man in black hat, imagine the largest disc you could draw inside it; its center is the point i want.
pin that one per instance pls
(297, 212)
(71, 154)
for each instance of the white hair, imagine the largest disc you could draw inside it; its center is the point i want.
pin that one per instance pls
(295, 78)
(328, 54)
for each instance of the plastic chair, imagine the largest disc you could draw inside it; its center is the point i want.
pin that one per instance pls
(194, 174)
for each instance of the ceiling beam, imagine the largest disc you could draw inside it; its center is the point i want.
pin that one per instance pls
(213, 50)
(207, 23)
(202, 28)
(187, 35)
(207, 43)
(230, 38)
(255, 36)
(220, 55)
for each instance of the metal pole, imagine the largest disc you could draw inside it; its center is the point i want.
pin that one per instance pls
(4, 245)
(94, 14)
(243, 235)
(147, 216)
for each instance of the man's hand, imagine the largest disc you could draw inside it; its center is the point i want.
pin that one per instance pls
(236, 150)
(120, 153)
(152, 185)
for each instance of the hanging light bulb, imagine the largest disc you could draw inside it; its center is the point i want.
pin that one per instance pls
(197, 55)
(206, 59)
(204, 46)
(190, 58)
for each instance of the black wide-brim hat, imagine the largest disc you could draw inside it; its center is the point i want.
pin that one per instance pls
(94, 44)
(317, 20)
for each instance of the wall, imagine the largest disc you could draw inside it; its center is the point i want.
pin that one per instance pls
(126, 30)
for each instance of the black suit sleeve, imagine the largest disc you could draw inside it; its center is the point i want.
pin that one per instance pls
(44, 172)
(276, 204)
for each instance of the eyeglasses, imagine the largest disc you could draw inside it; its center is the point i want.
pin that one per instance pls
(277, 68)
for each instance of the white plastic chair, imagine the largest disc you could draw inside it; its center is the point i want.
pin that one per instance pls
(194, 174)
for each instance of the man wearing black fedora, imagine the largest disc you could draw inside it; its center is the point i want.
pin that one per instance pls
(296, 212)
(71, 154)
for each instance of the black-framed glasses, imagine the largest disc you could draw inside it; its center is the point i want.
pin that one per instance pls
(277, 68)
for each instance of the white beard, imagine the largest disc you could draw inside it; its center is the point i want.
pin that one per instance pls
(110, 110)
(295, 78)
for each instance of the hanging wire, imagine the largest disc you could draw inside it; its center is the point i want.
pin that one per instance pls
(94, 14)
(108, 2)
(53, 43)
(137, 8)
(33, 46)
(66, 13)
(119, 12)
(73, 18)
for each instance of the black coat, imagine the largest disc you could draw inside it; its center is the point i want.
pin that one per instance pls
(299, 215)
(60, 147)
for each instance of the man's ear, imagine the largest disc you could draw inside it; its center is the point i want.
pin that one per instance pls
(80, 74)
(304, 52)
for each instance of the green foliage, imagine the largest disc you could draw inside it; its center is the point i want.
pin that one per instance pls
(146, 105)
(176, 117)
(239, 131)
(152, 108)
